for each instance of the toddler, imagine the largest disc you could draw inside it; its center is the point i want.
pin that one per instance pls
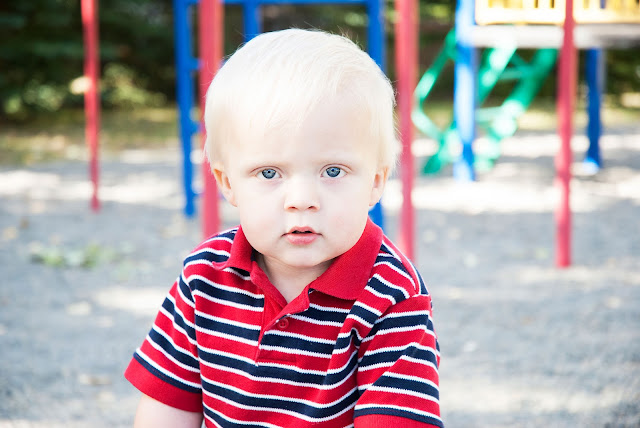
(305, 314)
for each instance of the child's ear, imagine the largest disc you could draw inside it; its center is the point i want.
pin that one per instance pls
(223, 183)
(379, 181)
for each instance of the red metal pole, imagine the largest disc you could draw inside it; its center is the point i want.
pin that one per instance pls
(210, 35)
(91, 95)
(567, 75)
(406, 70)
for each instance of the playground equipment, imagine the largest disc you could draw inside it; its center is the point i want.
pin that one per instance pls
(504, 25)
(406, 46)
(617, 23)
(497, 64)
(210, 20)
(502, 42)
(91, 97)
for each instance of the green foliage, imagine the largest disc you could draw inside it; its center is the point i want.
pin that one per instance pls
(88, 257)
(139, 36)
(39, 34)
(124, 88)
(42, 54)
(623, 71)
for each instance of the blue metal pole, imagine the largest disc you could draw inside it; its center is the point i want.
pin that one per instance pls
(595, 80)
(464, 94)
(251, 19)
(375, 44)
(375, 32)
(185, 64)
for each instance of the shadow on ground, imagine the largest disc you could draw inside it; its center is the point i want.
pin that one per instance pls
(523, 344)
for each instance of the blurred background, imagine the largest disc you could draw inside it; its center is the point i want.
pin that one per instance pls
(41, 58)
(524, 344)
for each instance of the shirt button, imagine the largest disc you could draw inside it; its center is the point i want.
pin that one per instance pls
(283, 324)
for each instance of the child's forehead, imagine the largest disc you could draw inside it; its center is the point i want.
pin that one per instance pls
(328, 131)
(326, 116)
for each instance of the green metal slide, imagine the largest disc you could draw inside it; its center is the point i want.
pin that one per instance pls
(497, 64)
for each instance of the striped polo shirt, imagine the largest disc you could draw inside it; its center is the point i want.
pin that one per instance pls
(357, 346)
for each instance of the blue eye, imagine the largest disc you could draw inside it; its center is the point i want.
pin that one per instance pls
(333, 171)
(268, 173)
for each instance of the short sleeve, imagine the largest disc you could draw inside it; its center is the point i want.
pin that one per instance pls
(398, 370)
(165, 367)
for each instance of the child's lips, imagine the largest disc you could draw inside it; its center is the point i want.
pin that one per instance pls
(301, 235)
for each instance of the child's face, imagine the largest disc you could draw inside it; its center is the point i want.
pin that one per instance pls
(303, 195)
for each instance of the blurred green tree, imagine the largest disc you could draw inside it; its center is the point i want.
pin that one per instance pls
(41, 53)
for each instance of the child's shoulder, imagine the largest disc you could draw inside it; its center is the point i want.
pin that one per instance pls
(394, 289)
(394, 275)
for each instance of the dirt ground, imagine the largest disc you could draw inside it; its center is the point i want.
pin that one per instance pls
(524, 344)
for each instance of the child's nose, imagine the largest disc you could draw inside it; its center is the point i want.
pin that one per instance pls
(301, 194)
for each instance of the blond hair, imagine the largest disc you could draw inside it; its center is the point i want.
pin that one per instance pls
(277, 78)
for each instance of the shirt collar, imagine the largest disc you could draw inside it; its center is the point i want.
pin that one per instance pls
(353, 267)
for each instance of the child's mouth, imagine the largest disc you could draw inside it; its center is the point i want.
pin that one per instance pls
(302, 237)
(301, 230)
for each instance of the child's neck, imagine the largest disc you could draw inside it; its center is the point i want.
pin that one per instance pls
(290, 281)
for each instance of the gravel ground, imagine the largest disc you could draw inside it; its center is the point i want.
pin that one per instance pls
(524, 344)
